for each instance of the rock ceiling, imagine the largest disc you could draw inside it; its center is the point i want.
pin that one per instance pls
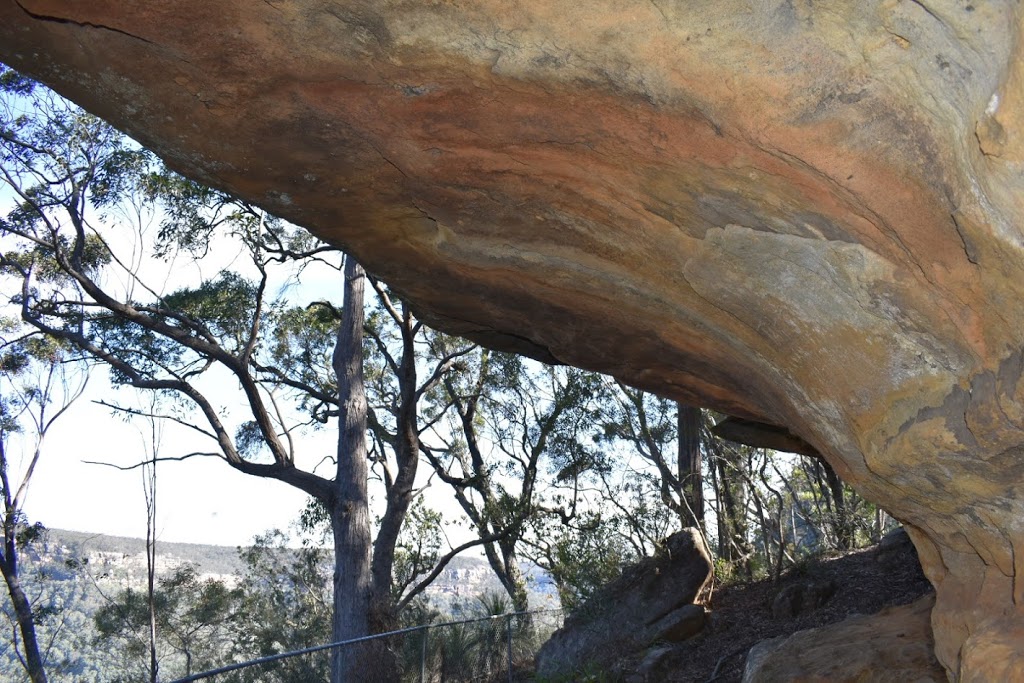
(805, 214)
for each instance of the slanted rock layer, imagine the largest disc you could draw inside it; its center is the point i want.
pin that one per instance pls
(893, 646)
(652, 602)
(802, 214)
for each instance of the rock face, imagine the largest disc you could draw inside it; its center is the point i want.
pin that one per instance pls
(803, 214)
(651, 602)
(893, 646)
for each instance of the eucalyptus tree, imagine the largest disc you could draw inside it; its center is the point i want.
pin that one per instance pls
(296, 367)
(669, 437)
(197, 621)
(36, 388)
(38, 383)
(514, 423)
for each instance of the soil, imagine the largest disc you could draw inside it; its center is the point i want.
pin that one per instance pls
(740, 615)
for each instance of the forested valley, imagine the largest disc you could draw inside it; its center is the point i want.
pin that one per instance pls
(560, 477)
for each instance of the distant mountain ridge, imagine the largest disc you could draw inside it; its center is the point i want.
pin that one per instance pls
(463, 579)
(209, 559)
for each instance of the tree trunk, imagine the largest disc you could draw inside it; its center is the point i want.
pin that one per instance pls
(26, 622)
(843, 527)
(514, 582)
(691, 478)
(149, 490)
(400, 493)
(349, 509)
(732, 524)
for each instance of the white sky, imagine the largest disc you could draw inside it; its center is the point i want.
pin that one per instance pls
(200, 500)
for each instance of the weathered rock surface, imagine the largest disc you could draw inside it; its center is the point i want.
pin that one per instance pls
(803, 214)
(893, 646)
(651, 602)
(800, 598)
(653, 667)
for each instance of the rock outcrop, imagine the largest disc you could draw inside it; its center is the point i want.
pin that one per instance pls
(651, 602)
(807, 215)
(893, 646)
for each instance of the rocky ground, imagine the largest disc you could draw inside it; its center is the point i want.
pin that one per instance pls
(741, 615)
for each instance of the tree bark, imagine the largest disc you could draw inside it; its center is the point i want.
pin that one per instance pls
(691, 478)
(23, 610)
(9, 567)
(843, 528)
(349, 508)
(733, 546)
(149, 488)
(400, 493)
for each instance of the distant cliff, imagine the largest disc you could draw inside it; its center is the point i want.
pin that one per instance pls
(122, 560)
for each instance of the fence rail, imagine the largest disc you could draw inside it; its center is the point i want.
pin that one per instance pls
(480, 655)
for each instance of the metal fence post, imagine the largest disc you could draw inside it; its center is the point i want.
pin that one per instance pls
(509, 632)
(423, 657)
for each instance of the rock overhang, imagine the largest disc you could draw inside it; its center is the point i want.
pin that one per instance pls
(798, 214)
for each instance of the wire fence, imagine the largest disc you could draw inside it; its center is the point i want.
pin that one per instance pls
(490, 649)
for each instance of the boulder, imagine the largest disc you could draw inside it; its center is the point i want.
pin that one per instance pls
(895, 548)
(802, 597)
(893, 646)
(679, 625)
(806, 215)
(651, 602)
(654, 666)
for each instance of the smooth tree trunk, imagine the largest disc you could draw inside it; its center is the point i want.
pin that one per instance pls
(691, 478)
(149, 489)
(349, 507)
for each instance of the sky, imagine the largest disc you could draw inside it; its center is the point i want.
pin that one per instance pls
(199, 500)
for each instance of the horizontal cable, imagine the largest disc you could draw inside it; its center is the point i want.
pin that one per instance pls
(342, 643)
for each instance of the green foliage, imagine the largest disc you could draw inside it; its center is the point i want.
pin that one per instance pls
(419, 546)
(195, 621)
(478, 650)
(287, 606)
(591, 673)
(194, 215)
(224, 307)
(42, 261)
(60, 155)
(14, 83)
(300, 345)
(585, 557)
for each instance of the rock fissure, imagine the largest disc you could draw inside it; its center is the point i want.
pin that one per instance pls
(931, 13)
(858, 206)
(81, 24)
(969, 251)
